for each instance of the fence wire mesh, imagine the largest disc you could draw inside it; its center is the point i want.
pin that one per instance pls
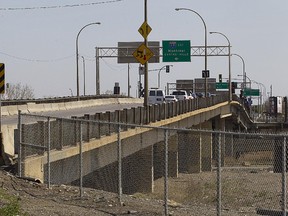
(205, 172)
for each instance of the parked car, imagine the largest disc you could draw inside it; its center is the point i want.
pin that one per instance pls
(156, 96)
(170, 98)
(181, 95)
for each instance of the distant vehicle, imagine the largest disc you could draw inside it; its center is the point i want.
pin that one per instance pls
(200, 94)
(193, 95)
(181, 95)
(156, 96)
(210, 94)
(170, 98)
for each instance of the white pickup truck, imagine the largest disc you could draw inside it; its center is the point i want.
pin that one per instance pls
(181, 95)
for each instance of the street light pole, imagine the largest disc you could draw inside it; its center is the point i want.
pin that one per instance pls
(77, 56)
(160, 71)
(229, 64)
(262, 93)
(244, 72)
(246, 77)
(205, 28)
(84, 76)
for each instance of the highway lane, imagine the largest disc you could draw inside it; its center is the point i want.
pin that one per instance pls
(8, 120)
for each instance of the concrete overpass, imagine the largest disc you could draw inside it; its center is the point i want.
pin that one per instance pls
(101, 152)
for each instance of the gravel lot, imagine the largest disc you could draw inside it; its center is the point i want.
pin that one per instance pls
(244, 190)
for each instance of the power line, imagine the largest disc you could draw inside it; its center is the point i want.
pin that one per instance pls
(37, 60)
(60, 6)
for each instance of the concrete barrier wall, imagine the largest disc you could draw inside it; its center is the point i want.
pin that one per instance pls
(35, 108)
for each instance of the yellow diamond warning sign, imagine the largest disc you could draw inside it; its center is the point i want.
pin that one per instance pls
(143, 54)
(144, 30)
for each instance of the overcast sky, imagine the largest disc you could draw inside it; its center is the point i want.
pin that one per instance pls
(37, 41)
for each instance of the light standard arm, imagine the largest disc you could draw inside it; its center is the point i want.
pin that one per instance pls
(244, 72)
(77, 56)
(205, 28)
(229, 64)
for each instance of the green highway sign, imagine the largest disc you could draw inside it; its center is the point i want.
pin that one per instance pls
(222, 85)
(176, 51)
(251, 92)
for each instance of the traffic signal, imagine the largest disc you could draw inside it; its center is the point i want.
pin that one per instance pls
(241, 93)
(140, 90)
(234, 86)
(220, 78)
(167, 69)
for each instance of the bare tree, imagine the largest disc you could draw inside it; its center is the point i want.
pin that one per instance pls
(18, 91)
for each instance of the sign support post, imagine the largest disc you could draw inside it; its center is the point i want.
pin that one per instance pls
(146, 86)
(2, 90)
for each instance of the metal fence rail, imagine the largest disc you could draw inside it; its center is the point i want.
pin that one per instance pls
(234, 173)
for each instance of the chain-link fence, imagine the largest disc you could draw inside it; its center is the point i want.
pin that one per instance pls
(208, 171)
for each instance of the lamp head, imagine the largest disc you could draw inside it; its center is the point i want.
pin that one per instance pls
(177, 9)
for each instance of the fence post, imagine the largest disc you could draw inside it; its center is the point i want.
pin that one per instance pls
(88, 131)
(48, 154)
(166, 173)
(61, 135)
(98, 126)
(20, 143)
(219, 176)
(81, 160)
(284, 168)
(119, 163)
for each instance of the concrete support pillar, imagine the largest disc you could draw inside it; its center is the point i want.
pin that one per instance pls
(173, 156)
(206, 147)
(220, 126)
(138, 172)
(229, 141)
(195, 150)
(189, 152)
(159, 158)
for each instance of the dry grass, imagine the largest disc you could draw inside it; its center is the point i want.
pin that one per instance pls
(241, 188)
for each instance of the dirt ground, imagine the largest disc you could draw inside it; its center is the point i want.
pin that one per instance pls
(243, 191)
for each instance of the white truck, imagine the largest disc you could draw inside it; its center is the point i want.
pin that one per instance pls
(181, 95)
